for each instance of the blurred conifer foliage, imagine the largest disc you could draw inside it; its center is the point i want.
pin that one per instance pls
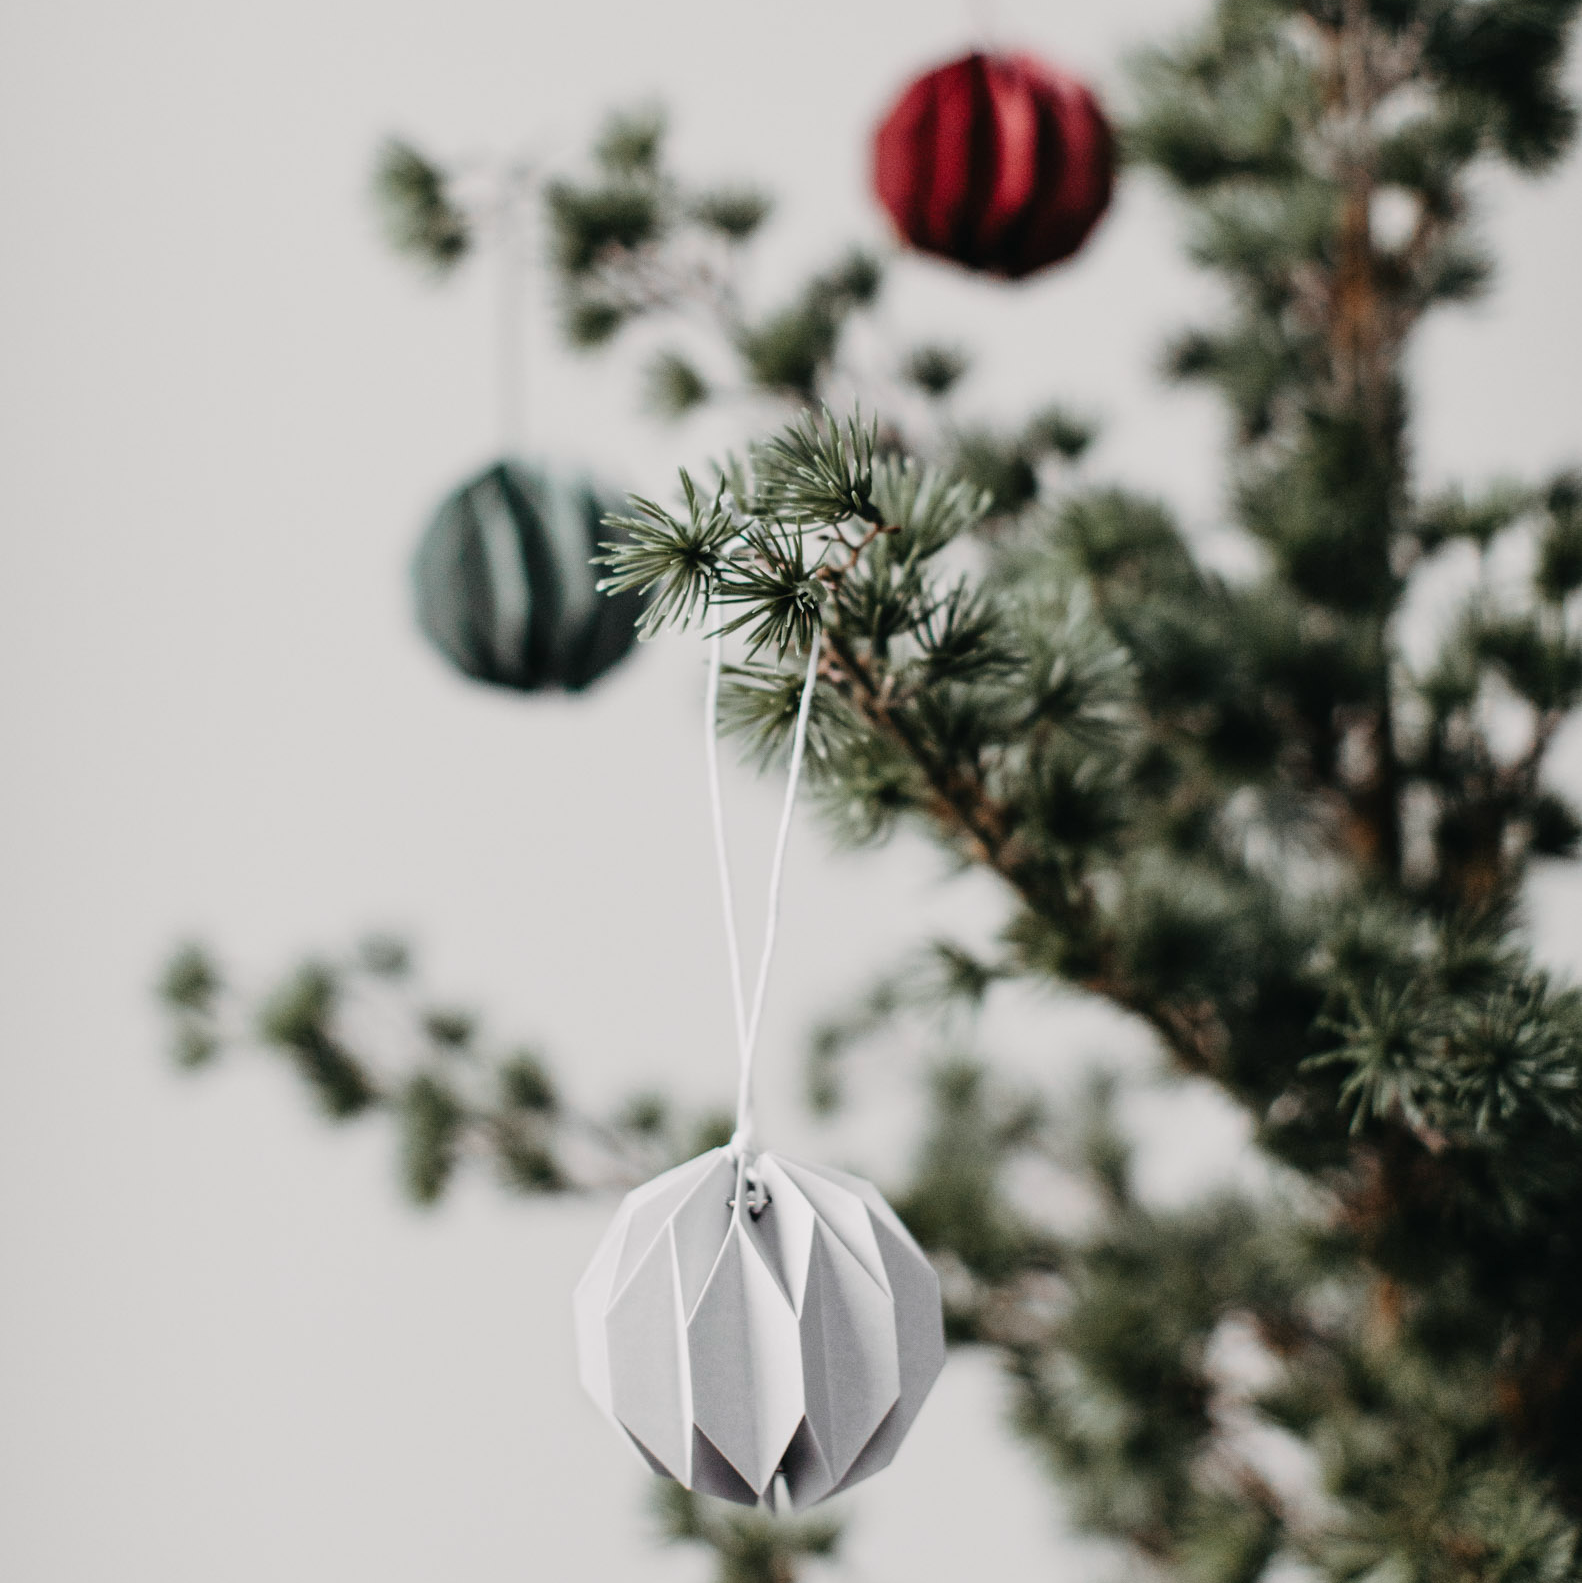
(1232, 808)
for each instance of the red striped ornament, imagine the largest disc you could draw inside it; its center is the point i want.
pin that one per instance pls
(997, 162)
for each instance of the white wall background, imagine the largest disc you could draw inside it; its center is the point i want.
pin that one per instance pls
(227, 1351)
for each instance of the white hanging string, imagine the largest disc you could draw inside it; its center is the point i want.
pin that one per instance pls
(512, 218)
(722, 860)
(747, 1023)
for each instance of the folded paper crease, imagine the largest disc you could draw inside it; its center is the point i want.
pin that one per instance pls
(736, 1336)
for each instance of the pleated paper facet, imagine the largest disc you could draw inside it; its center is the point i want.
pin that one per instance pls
(746, 1323)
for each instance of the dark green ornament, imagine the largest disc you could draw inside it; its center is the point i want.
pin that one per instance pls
(505, 584)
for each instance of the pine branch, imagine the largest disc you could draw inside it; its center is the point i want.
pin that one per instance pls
(363, 1041)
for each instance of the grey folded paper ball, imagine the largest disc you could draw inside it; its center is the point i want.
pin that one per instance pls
(743, 1321)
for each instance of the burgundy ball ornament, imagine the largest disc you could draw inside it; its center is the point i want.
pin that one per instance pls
(997, 162)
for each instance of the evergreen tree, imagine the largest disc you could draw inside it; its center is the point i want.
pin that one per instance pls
(1229, 807)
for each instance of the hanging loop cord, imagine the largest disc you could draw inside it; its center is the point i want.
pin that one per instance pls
(512, 216)
(748, 1020)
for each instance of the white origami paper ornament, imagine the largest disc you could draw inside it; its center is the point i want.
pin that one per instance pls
(742, 1322)
(760, 1329)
